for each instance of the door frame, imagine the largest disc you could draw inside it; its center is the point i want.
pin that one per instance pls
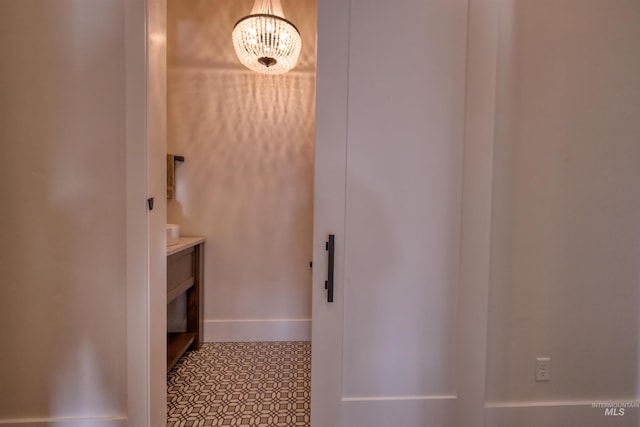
(145, 135)
(330, 192)
(473, 301)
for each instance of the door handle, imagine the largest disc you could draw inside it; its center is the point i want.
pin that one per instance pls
(328, 284)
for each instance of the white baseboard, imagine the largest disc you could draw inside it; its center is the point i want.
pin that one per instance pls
(115, 421)
(228, 330)
(561, 414)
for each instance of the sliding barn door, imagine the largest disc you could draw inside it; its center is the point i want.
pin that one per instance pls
(394, 347)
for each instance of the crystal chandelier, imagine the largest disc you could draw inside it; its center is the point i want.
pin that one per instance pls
(265, 41)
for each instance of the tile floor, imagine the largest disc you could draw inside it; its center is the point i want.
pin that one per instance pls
(264, 384)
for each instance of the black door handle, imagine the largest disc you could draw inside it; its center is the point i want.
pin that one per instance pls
(328, 284)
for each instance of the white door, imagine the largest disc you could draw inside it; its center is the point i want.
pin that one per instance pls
(402, 344)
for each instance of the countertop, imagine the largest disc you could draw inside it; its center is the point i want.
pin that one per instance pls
(184, 243)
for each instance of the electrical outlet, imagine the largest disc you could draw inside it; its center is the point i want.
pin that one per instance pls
(543, 368)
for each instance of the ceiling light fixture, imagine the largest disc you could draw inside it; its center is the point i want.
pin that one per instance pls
(265, 41)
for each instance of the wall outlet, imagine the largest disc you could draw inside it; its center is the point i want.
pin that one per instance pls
(543, 368)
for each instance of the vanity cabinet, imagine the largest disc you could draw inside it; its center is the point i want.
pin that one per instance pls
(185, 273)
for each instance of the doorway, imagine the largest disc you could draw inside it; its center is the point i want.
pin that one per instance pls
(246, 183)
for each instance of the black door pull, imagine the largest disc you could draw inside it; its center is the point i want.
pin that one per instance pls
(328, 284)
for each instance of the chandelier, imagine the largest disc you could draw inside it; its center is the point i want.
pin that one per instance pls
(265, 41)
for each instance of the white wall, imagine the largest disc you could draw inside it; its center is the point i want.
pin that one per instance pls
(62, 259)
(566, 212)
(247, 183)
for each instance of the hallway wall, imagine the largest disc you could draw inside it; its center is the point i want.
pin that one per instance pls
(247, 182)
(62, 222)
(566, 213)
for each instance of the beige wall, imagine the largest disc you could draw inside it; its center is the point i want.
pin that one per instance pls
(62, 259)
(566, 211)
(247, 183)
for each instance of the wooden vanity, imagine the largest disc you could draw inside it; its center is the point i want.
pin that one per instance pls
(185, 273)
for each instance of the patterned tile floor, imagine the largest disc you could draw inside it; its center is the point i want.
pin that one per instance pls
(263, 384)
